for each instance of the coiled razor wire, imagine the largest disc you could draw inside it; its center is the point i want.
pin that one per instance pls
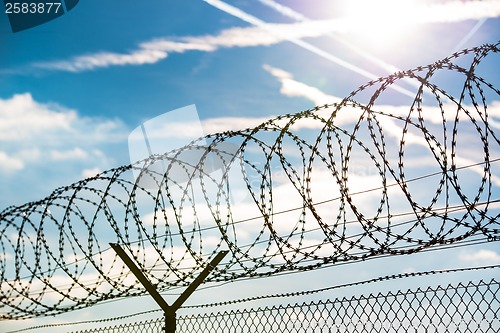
(286, 195)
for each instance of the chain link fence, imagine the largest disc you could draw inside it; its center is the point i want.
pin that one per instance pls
(471, 307)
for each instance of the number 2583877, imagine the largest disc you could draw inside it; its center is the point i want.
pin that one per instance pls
(32, 7)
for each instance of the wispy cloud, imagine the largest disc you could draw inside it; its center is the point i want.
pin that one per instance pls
(262, 34)
(105, 59)
(157, 49)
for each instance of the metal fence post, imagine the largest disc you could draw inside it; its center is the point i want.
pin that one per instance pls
(170, 322)
(169, 311)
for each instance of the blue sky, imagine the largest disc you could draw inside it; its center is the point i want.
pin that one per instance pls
(73, 89)
(227, 80)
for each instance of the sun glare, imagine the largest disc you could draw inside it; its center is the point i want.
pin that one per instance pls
(383, 22)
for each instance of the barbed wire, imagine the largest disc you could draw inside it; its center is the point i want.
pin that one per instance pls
(170, 211)
(261, 297)
(350, 284)
(96, 321)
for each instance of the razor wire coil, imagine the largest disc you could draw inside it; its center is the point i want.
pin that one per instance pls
(54, 254)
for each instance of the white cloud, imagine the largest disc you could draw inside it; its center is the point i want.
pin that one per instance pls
(8, 163)
(222, 124)
(190, 130)
(32, 132)
(29, 154)
(72, 154)
(87, 173)
(21, 118)
(264, 35)
(455, 11)
(291, 87)
(105, 59)
(482, 256)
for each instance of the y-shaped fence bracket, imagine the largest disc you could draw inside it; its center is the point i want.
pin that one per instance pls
(169, 310)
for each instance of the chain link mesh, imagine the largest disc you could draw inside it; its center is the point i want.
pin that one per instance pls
(469, 307)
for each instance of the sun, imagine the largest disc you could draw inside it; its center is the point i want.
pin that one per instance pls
(382, 22)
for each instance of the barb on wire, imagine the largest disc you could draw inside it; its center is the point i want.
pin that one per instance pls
(357, 158)
(284, 295)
